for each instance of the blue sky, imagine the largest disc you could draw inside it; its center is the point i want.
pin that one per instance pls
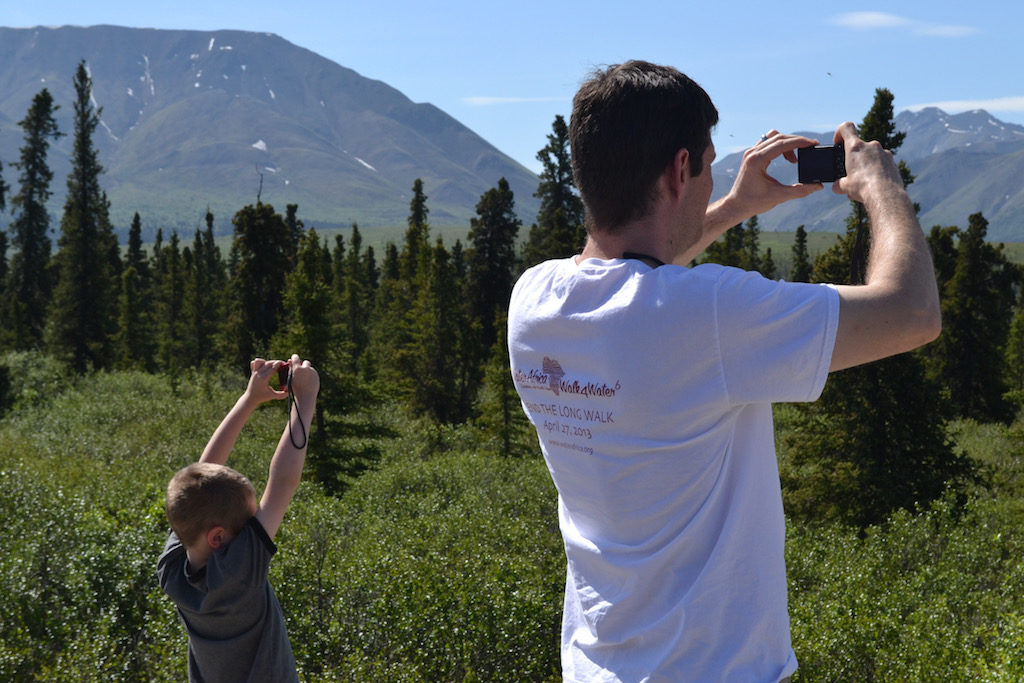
(506, 69)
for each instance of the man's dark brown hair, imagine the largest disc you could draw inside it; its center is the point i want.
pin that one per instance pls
(628, 122)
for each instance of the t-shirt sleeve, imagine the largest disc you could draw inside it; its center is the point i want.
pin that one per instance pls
(171, 560)
(247, 558)
(775, 338)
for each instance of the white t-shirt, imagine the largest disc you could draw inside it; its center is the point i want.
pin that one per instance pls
(651, 392)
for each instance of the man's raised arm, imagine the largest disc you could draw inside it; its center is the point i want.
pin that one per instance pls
(897, 307)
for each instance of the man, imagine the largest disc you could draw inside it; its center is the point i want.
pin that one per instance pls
(650, 383)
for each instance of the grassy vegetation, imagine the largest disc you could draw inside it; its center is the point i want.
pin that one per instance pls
(445, 562)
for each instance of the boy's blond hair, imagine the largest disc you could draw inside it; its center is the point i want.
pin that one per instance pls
(204, 495)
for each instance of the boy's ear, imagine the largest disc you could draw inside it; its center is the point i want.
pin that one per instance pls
(216, 537)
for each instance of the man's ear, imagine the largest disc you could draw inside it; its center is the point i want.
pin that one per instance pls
(215, 537)
(678, 172)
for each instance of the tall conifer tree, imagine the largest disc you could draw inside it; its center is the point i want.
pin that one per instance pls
(172, 349)
(729, 249)
(203, 299)
(977, 306)
(801, 268)
(4, 188)
(260, 263)
(391, 354)
(83, 316)
(417, 234)
(310, 305)
(29, 286)
(135, 318)
(357, 300)
(433, 352)
(499, 412)
(490, 258)
(558, 232)
(1014, 355)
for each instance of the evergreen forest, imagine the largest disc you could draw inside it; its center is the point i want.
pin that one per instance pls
(423, 543)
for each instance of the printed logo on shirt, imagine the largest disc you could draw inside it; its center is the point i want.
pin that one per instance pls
(551, 377)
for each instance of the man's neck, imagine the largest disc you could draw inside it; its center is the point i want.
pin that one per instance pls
(648, 240)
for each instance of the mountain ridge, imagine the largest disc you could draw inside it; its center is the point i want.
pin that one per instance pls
(214, 119)
(192, 119)
(962, 164)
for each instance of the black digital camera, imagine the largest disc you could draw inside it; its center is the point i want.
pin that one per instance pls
(823, 164)
(283, 373)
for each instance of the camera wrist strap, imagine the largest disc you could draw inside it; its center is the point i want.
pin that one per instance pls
(298, 416)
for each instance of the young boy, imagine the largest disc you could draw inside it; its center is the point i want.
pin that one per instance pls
(214, 565)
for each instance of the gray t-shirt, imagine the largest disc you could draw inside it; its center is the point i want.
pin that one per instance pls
(235, 625)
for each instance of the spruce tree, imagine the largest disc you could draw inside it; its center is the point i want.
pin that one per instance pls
(356, 300)
(310, 306)
(768, 268)
(204, 295)
(1014, 355)
(4, 188)
(433, 359)
(801, 268)
(259, 264)
(82, 320)
(29, 284)
(132, 353)
(558, 232)
(490, 258)
(313, 327)
(417, 234)
(134, 344)
(977, 307)
(4, 244)
(391, 355)
(339, 261)
(296, 231)
(499, 412)
(172, 350)
(752, 245)
(3, 269)
(728, 250)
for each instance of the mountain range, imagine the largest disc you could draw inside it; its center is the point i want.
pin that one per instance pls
(198, 119)
(961, 163)
(194, 119)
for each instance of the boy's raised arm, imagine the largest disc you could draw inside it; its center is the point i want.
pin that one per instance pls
(290, 456)
(258, 391)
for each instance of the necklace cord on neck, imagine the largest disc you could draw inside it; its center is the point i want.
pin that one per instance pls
(642, 257)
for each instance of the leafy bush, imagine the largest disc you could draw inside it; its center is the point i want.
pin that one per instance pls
(443, 563)
(931, 596)
(448, 569)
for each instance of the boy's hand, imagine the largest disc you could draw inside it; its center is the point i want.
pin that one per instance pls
(305, 380)
(289, 458)
(259, 390)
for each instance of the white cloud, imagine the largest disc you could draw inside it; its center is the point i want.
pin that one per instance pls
(483, 101)
(945, 31)
(1000, 104)
(867, 21)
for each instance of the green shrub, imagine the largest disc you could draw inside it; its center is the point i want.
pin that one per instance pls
(444, 561)
(447, 569)
(930, 596)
